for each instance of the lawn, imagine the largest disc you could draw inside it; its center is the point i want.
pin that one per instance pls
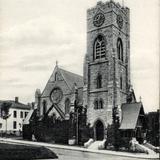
(24, 152)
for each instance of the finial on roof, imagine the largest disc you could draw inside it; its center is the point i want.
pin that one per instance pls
(56, 63)
(140, 99)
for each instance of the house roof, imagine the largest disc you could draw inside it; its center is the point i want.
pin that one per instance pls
(16, 105)
(130, 113)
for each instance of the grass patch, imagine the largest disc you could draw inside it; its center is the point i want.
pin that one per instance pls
(23, 152)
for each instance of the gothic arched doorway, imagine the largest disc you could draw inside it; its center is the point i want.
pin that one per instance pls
(99, 130)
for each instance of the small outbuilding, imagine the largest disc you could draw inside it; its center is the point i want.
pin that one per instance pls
(133, 122)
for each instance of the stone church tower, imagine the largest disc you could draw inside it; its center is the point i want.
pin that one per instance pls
(107, 62)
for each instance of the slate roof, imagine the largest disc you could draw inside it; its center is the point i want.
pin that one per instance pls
(72, 78)
(69, 77)
(130, 113)
(15, 104)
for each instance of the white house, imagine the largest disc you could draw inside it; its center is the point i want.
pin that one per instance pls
(18, 113)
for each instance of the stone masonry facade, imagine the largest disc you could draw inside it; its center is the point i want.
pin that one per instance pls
(106, 77)
(111, 71)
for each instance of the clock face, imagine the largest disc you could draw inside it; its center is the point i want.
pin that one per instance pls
(56, 95)
(98, 19)
(120, 21)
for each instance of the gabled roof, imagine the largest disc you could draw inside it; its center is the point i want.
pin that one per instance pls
(16, 105)
(130, 114)
(70, 79)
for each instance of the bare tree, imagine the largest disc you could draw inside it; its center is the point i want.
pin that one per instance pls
(5, 112)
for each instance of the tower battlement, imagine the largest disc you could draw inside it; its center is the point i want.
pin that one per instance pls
(108, 6)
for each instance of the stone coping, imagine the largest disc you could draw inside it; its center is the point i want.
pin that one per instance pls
(81, 149)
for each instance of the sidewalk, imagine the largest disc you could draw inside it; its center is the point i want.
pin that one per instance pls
(80, 149)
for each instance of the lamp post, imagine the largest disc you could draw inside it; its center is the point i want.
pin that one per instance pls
(77, 125)
(76, 112)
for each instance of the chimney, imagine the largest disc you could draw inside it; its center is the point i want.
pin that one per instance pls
(16, 99)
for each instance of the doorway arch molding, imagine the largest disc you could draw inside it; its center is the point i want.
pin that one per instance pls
(99, 129)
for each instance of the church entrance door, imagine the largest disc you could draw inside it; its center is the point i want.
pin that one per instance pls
(99, 130)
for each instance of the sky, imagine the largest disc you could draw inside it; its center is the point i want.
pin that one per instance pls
(34, 34)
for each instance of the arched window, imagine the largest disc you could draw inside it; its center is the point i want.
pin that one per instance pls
(101, 103)
(120, 49)
(56, 76)
(67, 106)
(96, 104)
(99, 48)
(121, 83)
(99, 81)
(44, 107)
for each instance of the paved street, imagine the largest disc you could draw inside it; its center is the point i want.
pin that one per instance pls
(77, 153)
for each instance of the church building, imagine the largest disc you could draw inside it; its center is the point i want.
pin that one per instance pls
(106, 72)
